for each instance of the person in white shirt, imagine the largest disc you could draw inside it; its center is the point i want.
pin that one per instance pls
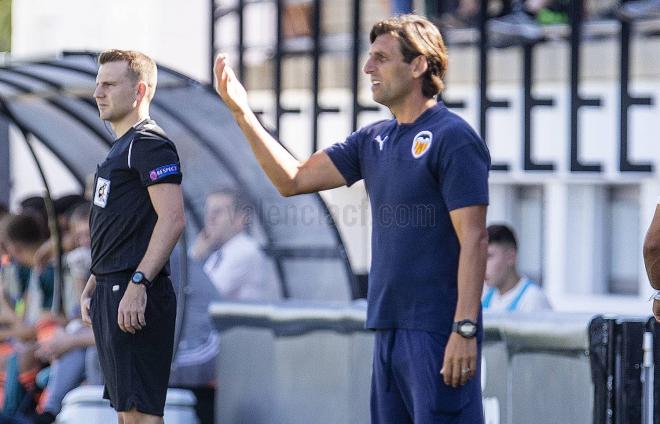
(506, 290)
(652, 258)
(233, 260)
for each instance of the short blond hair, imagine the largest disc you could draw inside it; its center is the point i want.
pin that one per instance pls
(140, 66)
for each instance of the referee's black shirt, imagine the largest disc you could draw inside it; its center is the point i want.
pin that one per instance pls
(122, 217)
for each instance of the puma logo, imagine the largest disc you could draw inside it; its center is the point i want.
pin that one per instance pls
(381, 141)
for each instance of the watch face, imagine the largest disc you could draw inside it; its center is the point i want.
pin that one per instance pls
(467, 328)
(137, 277)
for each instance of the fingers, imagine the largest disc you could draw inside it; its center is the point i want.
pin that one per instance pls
(142, 320)
(459, 364)
(457, 373)
(84, 314)
(131, 321)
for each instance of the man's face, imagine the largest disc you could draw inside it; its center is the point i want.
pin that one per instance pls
(222, 221)
(391, 77)
(501, 259)
(116, 92)
(19, 253)
(80, 231)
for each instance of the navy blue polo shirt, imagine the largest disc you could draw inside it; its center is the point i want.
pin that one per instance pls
(122, 218)
(415, 174)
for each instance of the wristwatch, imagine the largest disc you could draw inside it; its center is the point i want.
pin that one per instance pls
(465, 328)
(139, 278)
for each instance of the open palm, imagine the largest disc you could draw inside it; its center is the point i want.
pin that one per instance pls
(228, 86)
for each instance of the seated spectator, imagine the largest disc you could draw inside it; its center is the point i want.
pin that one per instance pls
(506, 289)
(232, 259)
(63, 208)
(72, 351)
(193, 366)
(25, 307)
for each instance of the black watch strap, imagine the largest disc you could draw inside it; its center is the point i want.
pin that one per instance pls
(465, 328)
(138, 277)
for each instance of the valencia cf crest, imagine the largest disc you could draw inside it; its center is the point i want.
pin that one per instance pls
(421, 143)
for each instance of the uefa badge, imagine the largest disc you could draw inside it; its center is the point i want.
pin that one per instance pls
(421, 143)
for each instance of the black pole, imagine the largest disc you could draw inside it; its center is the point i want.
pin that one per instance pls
(626, 101)
(240, 9)
(577, 101)
(355, 64)
(529, 103)
(316, 73)
(484, 102)
(277, 64)
(212, 40)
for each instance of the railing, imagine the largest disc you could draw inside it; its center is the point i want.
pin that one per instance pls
(573, 34)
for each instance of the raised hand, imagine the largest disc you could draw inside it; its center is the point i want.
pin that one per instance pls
(229, 87)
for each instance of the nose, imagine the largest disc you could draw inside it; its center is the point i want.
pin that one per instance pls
(98, 92)
(368, 67)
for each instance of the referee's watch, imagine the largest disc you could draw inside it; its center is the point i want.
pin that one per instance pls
(139, 278)
(465, 328)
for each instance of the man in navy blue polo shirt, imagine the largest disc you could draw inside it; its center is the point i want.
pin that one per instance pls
(426, 172)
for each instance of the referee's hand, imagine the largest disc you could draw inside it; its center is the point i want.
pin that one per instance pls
(130, 315)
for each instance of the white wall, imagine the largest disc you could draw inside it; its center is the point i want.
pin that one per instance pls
(175, 33)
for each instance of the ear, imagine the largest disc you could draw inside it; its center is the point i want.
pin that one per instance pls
(419, 66)
(511, 256)
(141, 91)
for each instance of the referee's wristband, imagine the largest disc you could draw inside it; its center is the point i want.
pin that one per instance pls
(655, 296)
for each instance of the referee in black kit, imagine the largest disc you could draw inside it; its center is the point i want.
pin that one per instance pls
(136, 219)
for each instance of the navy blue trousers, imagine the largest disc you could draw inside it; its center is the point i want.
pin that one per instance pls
(407, 386)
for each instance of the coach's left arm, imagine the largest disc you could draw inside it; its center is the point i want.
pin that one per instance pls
(167, 201)
(461, 353)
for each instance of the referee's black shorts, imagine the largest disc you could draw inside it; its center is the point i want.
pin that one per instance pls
(136, 367)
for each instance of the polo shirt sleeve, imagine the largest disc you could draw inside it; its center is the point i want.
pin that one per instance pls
(156, 160)
(465, 172)
(346, 158)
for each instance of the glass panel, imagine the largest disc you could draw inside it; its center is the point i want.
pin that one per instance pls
(317, 279)
(529, 230)
(623, 253)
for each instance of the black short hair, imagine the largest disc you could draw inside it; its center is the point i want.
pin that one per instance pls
(4, 210)
(66, 204)
(25, 229)
(502, 234)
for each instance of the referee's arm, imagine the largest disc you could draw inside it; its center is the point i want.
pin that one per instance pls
(167, 201)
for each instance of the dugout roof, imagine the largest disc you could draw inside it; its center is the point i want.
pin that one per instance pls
(50, 103)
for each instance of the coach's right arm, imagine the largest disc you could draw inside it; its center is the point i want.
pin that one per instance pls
(287, 174)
